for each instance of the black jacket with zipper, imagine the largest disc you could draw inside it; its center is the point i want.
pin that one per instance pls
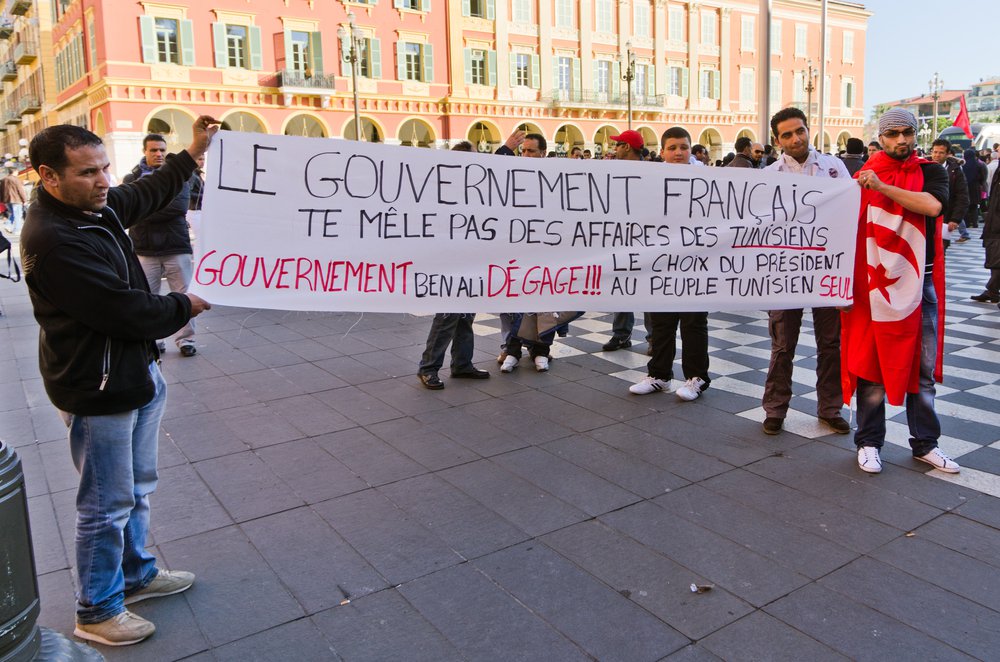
(165, 231)
(97, 318)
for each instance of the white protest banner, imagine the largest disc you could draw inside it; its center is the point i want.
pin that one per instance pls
(330, 225)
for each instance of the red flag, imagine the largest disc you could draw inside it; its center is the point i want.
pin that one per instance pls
(881, 334)
(962, 119)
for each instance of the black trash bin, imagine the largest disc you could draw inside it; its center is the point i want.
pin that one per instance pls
(20, 637)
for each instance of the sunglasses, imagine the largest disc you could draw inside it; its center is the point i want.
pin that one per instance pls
(892, 133)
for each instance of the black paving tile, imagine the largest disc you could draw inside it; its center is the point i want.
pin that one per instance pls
(654, 449)
(423, 444)
(203, 436)
(246, 487)
(965, 536)
(763, 637)
(984, 509)
(368, 457)
(172, 515)
(299, 638)
(311, 472)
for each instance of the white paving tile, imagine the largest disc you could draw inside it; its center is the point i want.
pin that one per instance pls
(971, 478)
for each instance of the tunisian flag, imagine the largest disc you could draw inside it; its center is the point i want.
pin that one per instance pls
(881, 334)
(962, 119)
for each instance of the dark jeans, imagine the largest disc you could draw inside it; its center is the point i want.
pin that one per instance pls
(453, 328)
(925, 428)
(694, 345)
(623, 324)
(993, 284)
(784, 326)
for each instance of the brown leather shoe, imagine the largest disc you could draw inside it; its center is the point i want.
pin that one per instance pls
(837, 424)
(773, 425)
(431, 381)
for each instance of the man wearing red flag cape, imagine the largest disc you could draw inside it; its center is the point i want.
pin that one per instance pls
(890, 345)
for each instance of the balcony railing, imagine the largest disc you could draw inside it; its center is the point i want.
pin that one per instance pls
(29, 104)
(19, 7)
(576, 98)
(295, 78)
(25, 53)
(8, 70)
(6, 29)
(11, 117)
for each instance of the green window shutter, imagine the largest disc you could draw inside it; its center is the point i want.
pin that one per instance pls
(399, 4)
(685, 75)
(513, 69)
(466, 7)
(596, 80)
(256, 50)
(616, 79)
(555, 73)
(576, 75)
(491, 9)
(536, 74)
(345, 51)
(427, 55)
(375, 55)
(651, 81)
(491, 56)
(316, 52)
(716, 85)
(187, 43)
(147, 33)
(286, 38)
(219, 42)
(425, 5)
(468, 65)
(400, 60)
(92, 40)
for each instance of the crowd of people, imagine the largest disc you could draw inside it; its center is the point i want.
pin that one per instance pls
(95, 295)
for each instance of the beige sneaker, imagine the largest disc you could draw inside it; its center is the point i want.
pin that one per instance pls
(166, 582)
(122, 629)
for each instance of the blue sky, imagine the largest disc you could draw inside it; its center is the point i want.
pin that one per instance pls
(908, 40)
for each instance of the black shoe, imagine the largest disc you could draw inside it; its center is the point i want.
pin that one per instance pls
(188, 350)
(617, 343)
(431, 381)
(837, 424)
(961, 240)
(773, 425)
(471, 373)
(986, 297)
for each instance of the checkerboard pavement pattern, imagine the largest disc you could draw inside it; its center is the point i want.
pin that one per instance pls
(968, 402)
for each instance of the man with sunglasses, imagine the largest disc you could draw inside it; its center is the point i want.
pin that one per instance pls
(891, 342)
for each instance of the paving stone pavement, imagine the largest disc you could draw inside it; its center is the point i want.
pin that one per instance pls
(333, 509)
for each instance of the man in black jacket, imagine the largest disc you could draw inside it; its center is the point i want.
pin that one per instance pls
(958, 195)
(99, 362)
(744, 154)
(162, 240)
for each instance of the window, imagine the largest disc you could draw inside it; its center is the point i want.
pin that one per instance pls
(675, 81)
(564, 13)
(477, 8)
(801, 40)
(369, 57)
(564, 73)
(640, 18)
(848, 46)
(603, 79)
(301, 62)
(412, 64)
(522, 69)
(605, 16)
(747, 33)
(478, 69)
(167, 46)
(776, 37)
(747, 91)
(641, 81)
(798, 87)
(709, 28)
(416, 5)
(847, 94)
(675, 24)
(521, 11)
(236, 46)
(92, 40)
(826, 43)
(709, 84)
(775, 91)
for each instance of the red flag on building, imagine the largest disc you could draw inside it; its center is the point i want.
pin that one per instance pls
(962, 119)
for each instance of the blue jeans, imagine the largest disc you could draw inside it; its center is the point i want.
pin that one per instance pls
(116, 458)
(454, 328)
(621, 326)
(925, 428)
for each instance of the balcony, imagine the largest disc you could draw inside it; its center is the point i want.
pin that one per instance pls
(298, 79)
(29, 105)
(25, 53)
(8, 70)
(6, 29)
(591, 98)
(19, 7)
(11, 117)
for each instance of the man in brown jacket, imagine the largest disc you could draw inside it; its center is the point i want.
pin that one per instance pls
(13, 195)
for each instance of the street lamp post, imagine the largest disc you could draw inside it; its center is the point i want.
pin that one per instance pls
(925, 132)
(810, 76)
(937, 86)
(352, 55)
(628, 76)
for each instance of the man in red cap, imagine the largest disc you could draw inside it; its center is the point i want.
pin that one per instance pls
(629, 146)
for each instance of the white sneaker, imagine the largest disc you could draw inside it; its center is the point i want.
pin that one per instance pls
(509, 364)
(542, 363)
(691, 389)
(940, 461)
(652, 385)
(869, 459)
